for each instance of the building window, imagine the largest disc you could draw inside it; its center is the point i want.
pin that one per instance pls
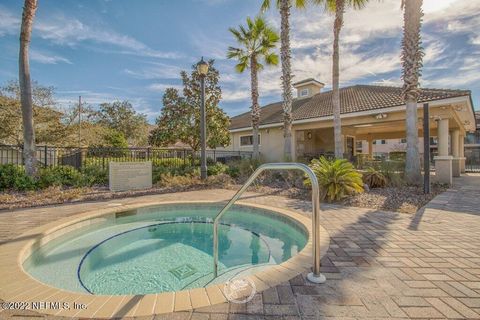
(379, 142)
(248, 140)
(403, 140)
(304, 92)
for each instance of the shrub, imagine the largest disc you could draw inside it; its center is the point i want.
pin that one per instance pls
(374, 178)
(397, 155)
(393, 171)
(171, 181)
(220, 180)
(14, 177)
(60, 176)
(337, 178)
(216, 169)
(94, 175)
(242, 169)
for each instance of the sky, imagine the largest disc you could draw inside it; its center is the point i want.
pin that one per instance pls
(106, 50)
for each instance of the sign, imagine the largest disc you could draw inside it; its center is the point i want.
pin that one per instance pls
(125, 176)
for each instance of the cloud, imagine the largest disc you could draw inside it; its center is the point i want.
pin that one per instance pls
(155, 71)
(9, 24)
(69, 31)
(47, 58)
(160, 87)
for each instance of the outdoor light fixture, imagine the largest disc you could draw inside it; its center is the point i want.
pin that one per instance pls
(202, 69)
(381, 116)
(309, 136)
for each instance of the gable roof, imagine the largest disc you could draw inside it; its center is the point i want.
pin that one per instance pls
(353, 99)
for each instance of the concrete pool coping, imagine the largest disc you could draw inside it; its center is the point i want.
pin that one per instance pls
(18, 286)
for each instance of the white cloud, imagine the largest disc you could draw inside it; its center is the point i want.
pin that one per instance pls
(160, 87)
(69, 31)
(47, 58)
(9, 24)
(155, 71)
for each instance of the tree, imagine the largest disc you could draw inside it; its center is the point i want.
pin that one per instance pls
(338, 7)
(412, 55)
(122, 117)
(180, 116)
(285, 54)
(257, 40)
(29, 9)
(51, 125)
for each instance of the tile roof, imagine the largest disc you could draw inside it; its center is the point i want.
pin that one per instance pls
(353, 99)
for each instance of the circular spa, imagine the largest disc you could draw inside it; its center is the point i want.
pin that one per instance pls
(165, 248)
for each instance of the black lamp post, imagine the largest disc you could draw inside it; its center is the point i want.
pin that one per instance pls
(202, 69)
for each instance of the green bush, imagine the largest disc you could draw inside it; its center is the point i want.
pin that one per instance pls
(337, 178)
(374, 178)
(216, 169)
(60, 176)
(14, 177)
(94, 175)
(242, 169)
(397, 155)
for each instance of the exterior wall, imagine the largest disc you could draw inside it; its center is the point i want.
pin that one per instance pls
(389, 146)
(271, 143)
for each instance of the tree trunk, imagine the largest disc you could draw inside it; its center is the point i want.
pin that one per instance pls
(26, 88)
(337, 123)
(255, 106)
(412, 55)
(286, 78)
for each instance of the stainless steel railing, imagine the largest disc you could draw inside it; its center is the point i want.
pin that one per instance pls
(314, 276)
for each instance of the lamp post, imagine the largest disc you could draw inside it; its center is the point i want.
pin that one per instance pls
(202, 69)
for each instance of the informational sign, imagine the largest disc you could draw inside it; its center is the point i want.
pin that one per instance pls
(125, 176)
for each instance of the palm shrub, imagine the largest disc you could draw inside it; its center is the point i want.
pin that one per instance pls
(374, 178)
(337, 178)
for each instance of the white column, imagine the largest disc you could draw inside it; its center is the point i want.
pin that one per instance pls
(456, 153)
(443, 162)
(461, 148)
(443, 137)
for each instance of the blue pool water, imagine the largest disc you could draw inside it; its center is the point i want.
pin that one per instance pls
(165, 248)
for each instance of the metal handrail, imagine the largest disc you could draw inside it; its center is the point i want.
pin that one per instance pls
(314, 276)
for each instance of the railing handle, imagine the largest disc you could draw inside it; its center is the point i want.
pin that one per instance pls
(315, 276)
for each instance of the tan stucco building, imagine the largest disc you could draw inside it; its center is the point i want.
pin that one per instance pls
(368, 113)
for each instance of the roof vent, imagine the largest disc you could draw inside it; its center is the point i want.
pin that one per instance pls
(308, 87)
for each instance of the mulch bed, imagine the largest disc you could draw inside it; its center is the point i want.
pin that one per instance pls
(401, 199)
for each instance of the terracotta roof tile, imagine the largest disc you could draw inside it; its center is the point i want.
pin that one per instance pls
(353, 99)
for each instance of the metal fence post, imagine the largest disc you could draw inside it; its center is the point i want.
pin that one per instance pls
(45, 155)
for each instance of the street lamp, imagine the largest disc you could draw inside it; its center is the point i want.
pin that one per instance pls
(202, 69)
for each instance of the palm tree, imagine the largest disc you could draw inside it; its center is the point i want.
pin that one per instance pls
(338, 7)
(29, 10)
(412, 54)
(285, 54)
(257, 40)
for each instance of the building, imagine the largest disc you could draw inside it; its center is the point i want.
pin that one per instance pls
(369, 113)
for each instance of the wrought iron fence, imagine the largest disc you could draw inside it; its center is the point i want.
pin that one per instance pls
(101, 156)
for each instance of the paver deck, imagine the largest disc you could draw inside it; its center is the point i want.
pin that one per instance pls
(379, 264)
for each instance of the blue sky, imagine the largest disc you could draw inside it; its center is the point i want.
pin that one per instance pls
(125, 49)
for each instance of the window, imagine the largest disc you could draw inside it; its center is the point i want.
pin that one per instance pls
(379, 142)
(248, 140)
(403, 140)
(304, 92)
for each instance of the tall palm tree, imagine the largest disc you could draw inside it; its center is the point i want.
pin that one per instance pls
(29, 10)
(412, 55)
(257, 41)
(338, 7)
(285, 54)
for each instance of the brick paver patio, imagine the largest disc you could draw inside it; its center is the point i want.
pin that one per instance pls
(379, 265)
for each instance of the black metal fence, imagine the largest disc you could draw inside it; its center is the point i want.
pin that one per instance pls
(95, 156)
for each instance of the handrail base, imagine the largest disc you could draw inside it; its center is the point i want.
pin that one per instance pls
(320, 278)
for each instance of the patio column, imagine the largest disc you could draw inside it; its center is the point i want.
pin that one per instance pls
(456, 153)
(443, 162)
(461, 147)
(370, 147)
